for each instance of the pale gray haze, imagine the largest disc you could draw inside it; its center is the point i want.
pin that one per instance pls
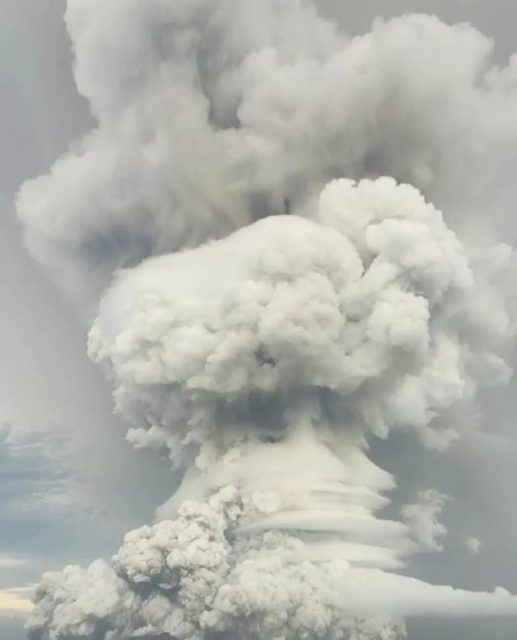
(257, 340)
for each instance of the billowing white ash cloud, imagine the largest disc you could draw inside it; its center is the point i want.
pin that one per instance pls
(263, 361)
(214, 114)
(269, 303)
(368, 314)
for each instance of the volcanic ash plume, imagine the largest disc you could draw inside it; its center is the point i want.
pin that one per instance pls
(263, 361)
(268, 322)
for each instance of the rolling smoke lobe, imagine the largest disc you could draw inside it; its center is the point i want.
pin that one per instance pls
(269, 302)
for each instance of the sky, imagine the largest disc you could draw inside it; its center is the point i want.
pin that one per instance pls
(69, 484)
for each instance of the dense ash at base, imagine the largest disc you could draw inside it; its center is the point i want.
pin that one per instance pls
(184, 579)
(370, 629)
